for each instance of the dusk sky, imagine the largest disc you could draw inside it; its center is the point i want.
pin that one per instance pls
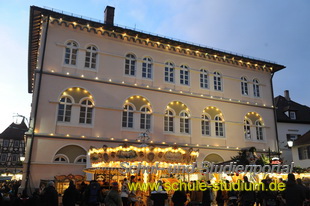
(277, 30)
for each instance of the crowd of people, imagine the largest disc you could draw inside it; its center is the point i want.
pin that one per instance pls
(94, 194)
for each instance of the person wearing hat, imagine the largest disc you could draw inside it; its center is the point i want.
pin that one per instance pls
(113, 197)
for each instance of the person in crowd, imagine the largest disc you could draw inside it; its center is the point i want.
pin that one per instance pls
(113, 197)
(293, 193)
(160, 196)
(71, 195)
(179, 197)
(247, 198)
(50, 195)
(125, 192)
(92, 194)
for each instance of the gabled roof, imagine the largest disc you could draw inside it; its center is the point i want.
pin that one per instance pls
(14, 131)
(283, 105)
(38, 14)
(303, 140)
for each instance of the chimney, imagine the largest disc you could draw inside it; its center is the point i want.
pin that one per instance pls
(109, 15)
(287, 95)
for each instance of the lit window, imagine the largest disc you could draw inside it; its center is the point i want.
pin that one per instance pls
(247, 129)
(244, 86)
(169, 121)
(147, 67)
(219, 127)
(204, 79)
(86, 111)
(184, 122)
(259, 130)
(64, 109)
(71, 53)
(205, 125)
(130, 65)
(145, 118)
(91, 57)
(127, 116)
(256, 88)
(169, 72)
(217, 80)
(184, 75)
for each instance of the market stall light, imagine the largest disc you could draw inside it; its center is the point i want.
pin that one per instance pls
(82, 75)
(68, 135)
(112, 138)
(68, 73)
(96, 78)
(51, 134)
(110, 80)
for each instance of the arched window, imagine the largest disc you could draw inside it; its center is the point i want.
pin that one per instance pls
(80, 160)
(184, 75)
(247, 129)
(86, 111)
(219, 126)
(217, 81)
(91, 57)
(256, 88)
(61, 159)
(127, 116)
(184, 122)
(147, 68)
(204, 79)
(130, 65)
(64, 109)
(71, 53)
(205, 125)
(169, 121)
(169, 72)
(244, 86)
(145, 118)
(259, 130)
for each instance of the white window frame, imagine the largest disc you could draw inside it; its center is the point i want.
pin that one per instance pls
(259, 130)
(91, 57)
(67, 108)
(204, 79)
(219, 126)
(72, 49)
(61, 156)
(256, 88)
(89, 109)
(205, 118)
(292, 115)
(247, 129)
(145, 117)
(129, 115)
(147, 68)
(184, 122)
(217, 81)
(169, 72)
(169, 120)
(79, 158)
(130, 64)
(184, 75)
(244, 86)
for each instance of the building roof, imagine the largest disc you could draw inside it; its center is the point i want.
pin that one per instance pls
(303, 140)
(283, 105)
(14, 131)
(37, 17)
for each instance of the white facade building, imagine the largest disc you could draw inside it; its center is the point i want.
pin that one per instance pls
(97, 84)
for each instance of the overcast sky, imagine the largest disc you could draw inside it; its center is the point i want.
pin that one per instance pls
(277, 30)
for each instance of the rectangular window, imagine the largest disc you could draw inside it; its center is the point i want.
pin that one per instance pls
(5, 143)
(16, 143)
(3, 158)
(14, 158)
(292, 115)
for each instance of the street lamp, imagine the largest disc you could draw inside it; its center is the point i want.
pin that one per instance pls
(22, 158)
(290, 143)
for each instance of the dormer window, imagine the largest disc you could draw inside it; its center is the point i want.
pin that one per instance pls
(292, 115)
